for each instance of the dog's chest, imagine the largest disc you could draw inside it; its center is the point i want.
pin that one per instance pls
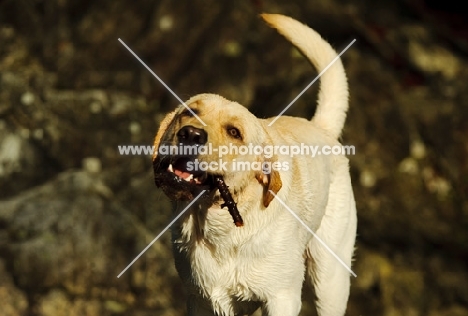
(227, 272)
(224, 272)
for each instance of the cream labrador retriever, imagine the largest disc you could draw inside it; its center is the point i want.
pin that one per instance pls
(262, 261)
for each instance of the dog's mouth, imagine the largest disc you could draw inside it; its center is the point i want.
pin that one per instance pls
(180, 167)
(179, 179)
(179, 182)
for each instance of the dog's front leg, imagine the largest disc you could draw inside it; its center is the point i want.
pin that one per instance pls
(285, 303)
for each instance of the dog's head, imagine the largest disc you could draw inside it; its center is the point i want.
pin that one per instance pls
(189, 154)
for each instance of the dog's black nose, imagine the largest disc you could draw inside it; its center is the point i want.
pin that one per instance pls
(189, 135)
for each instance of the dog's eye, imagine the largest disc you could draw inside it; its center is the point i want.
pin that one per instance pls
(233, 132)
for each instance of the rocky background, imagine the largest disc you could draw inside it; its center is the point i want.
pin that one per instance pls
(74, 213)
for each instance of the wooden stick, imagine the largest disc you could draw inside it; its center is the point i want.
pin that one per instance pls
(228, 201)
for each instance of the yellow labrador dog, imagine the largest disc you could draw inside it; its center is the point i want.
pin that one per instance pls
(262, 261)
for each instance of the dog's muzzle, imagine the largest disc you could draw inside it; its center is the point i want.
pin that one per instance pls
(192, 136)
(175, 174)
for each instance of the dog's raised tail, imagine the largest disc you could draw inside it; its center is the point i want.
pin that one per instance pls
(333, 95)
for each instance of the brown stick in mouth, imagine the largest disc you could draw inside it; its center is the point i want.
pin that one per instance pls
(228, 201)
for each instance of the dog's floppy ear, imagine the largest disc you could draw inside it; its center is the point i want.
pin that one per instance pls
(270, 181)
(165, 123)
